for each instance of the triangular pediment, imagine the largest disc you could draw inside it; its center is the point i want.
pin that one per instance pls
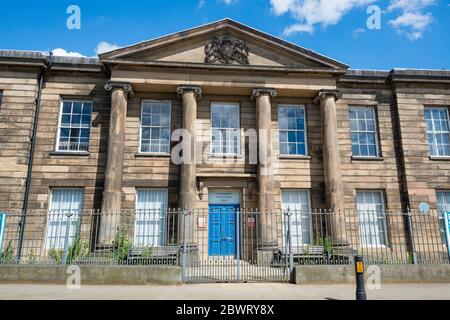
(225, 42)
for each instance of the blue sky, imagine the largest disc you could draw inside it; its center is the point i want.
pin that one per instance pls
(413, 34)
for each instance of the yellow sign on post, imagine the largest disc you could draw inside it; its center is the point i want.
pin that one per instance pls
(360, 267)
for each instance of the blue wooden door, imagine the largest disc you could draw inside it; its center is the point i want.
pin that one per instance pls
(222, 230)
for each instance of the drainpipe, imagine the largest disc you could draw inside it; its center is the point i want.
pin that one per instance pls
(401, 168)
(41, 80)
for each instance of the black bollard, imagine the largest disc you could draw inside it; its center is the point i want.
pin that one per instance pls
(359, 271)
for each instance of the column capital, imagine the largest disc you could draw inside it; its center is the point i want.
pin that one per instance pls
(259, 92)
(125, 86)
(197, 90)
(323, 94)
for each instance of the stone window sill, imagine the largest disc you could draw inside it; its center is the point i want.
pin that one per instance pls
(294, 157)
(152, 155)
(439, 158)
(69, 154)
(367, 158)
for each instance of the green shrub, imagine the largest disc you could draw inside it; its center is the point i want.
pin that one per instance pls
(7, 256)
(327, 244)
(31, 257)
(56, 255)
(410, 257)
(78, 250)
(122, 246)
(147, 252)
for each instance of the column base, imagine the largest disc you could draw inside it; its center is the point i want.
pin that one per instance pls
(108, 231)
(265, 257)
(192, 255)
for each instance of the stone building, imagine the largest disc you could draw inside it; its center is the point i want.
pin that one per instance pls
(103, 128)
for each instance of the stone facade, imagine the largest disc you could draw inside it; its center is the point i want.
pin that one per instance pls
(173, 69)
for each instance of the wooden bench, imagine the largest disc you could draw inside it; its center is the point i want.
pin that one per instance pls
(164, 255)
(306, 254)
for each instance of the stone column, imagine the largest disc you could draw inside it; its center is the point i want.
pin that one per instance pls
(188, 172)
(267, 222)
(188, 175)
(112, 192)
(332, 161)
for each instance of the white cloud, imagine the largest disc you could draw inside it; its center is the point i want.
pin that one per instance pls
(64, 53)
(281, 6)
(310, 13)
(201, 3)
(410, 5)
(104, 46)
(413, 21)
(298, 27)
(357, 32)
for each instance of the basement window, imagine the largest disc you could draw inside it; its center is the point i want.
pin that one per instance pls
(150, 223)
(372, 218)
(64, 213)
(443, 206)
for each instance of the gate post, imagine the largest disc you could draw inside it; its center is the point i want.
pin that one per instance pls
(238, 245)
(66, 240)
(291, 256)
(185, 217)
(410, 235)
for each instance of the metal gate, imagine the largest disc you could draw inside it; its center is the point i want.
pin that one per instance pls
(223, 244)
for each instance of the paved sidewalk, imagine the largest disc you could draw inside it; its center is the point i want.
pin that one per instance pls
(270, 291)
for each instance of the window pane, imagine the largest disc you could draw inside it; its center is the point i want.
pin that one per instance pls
(283, 148)
(64, 133)
(77, 107)
(301, 149)
(291, 137)
(76, 120)
(67, 107)
(85, 120)
(65, 119)
(87, 108)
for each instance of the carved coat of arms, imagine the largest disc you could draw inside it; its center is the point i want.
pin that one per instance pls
(226, 50)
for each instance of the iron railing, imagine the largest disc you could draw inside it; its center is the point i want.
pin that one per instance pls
(244, 244)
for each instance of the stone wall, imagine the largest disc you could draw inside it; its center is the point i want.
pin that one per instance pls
(369, 174)
(19, 88)
(52, 169)
(424, 175)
